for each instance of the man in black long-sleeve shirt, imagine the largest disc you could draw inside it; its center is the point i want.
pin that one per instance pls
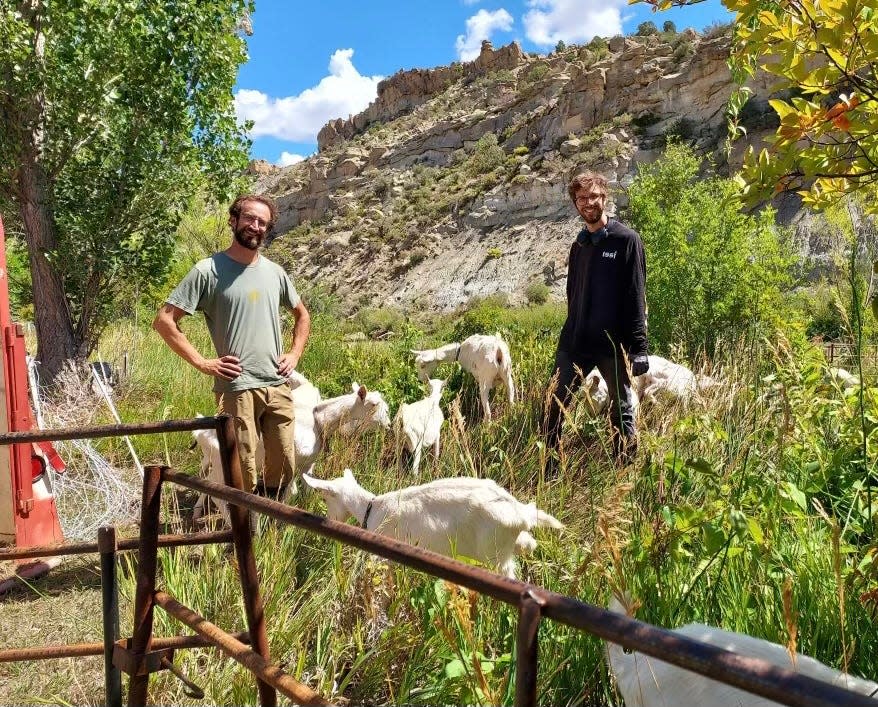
(606, 316)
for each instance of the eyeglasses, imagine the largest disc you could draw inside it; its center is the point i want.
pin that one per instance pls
(583, 199)
(254, 219)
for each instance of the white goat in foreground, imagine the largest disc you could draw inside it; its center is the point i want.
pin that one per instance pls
(648, 682)
(353, 413)
(463, 516)
(417, 425)
(486, 357)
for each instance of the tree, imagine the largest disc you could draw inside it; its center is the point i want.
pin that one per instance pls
(669, 27)
(713, 272)
(822, 55)
(560, 47)
(647, 28)
(113, 113)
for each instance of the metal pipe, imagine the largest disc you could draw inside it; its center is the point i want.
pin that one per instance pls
(110, 612)
(141, 639)
(750, 674)
(242, 534)
(170, 540)
(138, 428)
(526, 654)
(248, 657)
(83, 650)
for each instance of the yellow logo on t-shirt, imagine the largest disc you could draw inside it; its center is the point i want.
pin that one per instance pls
(253, 296)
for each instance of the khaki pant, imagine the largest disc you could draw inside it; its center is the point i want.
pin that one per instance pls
(265, 412)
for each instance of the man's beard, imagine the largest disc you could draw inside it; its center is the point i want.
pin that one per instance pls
(249, 241)
(592, 220)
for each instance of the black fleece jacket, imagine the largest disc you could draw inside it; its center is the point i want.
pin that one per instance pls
(606, 294)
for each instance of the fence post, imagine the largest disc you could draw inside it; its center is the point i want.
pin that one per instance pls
(110, 606)
(141, 641)
(529, 611)
(243, 537)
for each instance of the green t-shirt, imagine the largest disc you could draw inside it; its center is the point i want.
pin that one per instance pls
(241, 304)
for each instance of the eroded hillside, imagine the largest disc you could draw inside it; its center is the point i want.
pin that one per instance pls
(452, 183)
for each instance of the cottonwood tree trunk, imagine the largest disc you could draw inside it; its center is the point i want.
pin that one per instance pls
(56, 340)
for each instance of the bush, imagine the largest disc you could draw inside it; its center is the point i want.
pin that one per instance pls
(487, 156)
(536, 74)
(484, 317)
(537, 292)
(669, 27)
(375, 320)
(714, 272)
(644, 29)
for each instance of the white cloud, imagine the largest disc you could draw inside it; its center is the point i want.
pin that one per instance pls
(299, 118)
(549, 21)
(288, 158)
(478, 27)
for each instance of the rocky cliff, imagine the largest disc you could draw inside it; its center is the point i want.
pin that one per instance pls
(451, 184)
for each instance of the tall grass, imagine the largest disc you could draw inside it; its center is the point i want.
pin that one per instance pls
(732, 497)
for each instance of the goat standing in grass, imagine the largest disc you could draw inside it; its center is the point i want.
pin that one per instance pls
(485, 357)
(351, 414)
(644, 681)
(463, 516)
(417, 425)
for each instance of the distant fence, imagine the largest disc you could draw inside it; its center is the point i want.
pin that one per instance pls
(844, 355)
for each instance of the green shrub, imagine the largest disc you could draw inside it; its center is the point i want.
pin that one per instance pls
(484, 317)
(486, 157)
(520, 151)
(537, 292)
(645, 29)
(536, 74)
(495, 253)
(375, 320)
(669, 27)
(714, 272)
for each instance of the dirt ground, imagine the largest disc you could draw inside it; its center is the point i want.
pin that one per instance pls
(61, 607)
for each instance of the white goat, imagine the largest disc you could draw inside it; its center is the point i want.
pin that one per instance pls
(596, 394)
(648, 682)
(485, 357)
(474, 518)
(316, 419)
(846, 380)
(417, 425)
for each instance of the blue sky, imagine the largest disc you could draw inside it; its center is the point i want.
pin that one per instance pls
(311, 62)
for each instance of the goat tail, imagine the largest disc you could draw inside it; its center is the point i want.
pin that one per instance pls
(545, 520)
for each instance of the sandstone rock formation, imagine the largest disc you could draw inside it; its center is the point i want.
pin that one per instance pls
(409, 203)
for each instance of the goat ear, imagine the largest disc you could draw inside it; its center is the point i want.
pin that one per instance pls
(355, 387)
(414, 351)
(362, 392)
(348, 474)
(318, 484)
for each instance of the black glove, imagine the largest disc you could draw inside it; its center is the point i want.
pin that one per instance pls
(639, 365)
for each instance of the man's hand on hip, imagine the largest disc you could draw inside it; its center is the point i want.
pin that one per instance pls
(639, 365)
(227, 367)
(286, 363)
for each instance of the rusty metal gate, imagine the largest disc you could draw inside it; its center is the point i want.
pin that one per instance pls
(142, 654)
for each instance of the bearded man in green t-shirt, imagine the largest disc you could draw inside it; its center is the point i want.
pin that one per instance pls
(240, 292)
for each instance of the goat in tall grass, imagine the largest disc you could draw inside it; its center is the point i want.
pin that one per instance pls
(649, 682)
(473, 518)
(417, 425)
(316, 420)
(486, 357)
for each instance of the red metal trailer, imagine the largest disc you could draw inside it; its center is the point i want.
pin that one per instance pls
(28, 515)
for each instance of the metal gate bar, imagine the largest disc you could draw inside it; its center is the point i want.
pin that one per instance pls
(250, 659)
(83, 548)
(753, 675)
